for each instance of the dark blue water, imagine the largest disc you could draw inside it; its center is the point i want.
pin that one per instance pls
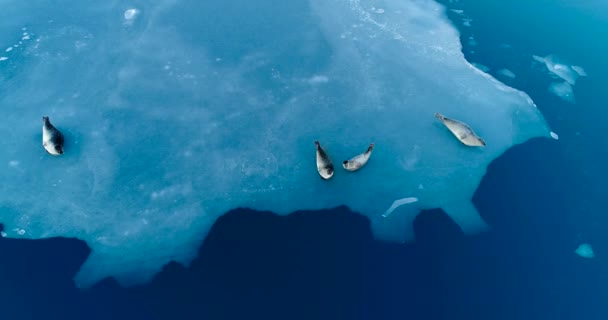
(542, 198)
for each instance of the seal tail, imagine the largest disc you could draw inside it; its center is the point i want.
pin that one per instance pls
(370, 148)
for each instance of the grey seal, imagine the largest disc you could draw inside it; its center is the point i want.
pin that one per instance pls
(358, 161)
(462, 131)
(324, 164)
(52, 139)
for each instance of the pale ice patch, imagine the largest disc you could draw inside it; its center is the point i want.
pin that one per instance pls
(317, 79)
(507, 73)
(13, 163)
(481, 67)
(153, 157)
(563, 90)
(581, 72)
(472, 41)
(399, 203)
(585, 251)
(3, 58)
(458, 11)
(9, 49)
(130, 14)
(561, 70)
(3, 234)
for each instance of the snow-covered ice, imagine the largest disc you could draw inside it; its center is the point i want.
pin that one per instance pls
(153, 157)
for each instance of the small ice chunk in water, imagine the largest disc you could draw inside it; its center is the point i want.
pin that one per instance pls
(2, 234)
(13, 163)
(379, 10)
(585, 250)
(399, 203)
(558, 68)
(9, 49)
(481, 67)
(3, 58)
(457, 11)
(130, 14)
(554, 135)
(507, 73)
(581, 72)
(563, 90)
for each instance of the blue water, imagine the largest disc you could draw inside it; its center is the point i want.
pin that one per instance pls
(542, 198)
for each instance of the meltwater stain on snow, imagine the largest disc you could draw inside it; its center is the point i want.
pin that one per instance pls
(152, 158)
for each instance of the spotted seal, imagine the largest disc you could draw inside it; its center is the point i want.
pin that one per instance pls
(324, 165)
(358, 161)
(52, 139)
(462, 131)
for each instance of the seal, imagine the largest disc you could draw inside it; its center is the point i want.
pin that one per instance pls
(324, 165)
(52, 139)
(358, 161)
(462, 131)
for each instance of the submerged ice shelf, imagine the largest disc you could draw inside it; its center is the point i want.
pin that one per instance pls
(173, 114)
(568, 74)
